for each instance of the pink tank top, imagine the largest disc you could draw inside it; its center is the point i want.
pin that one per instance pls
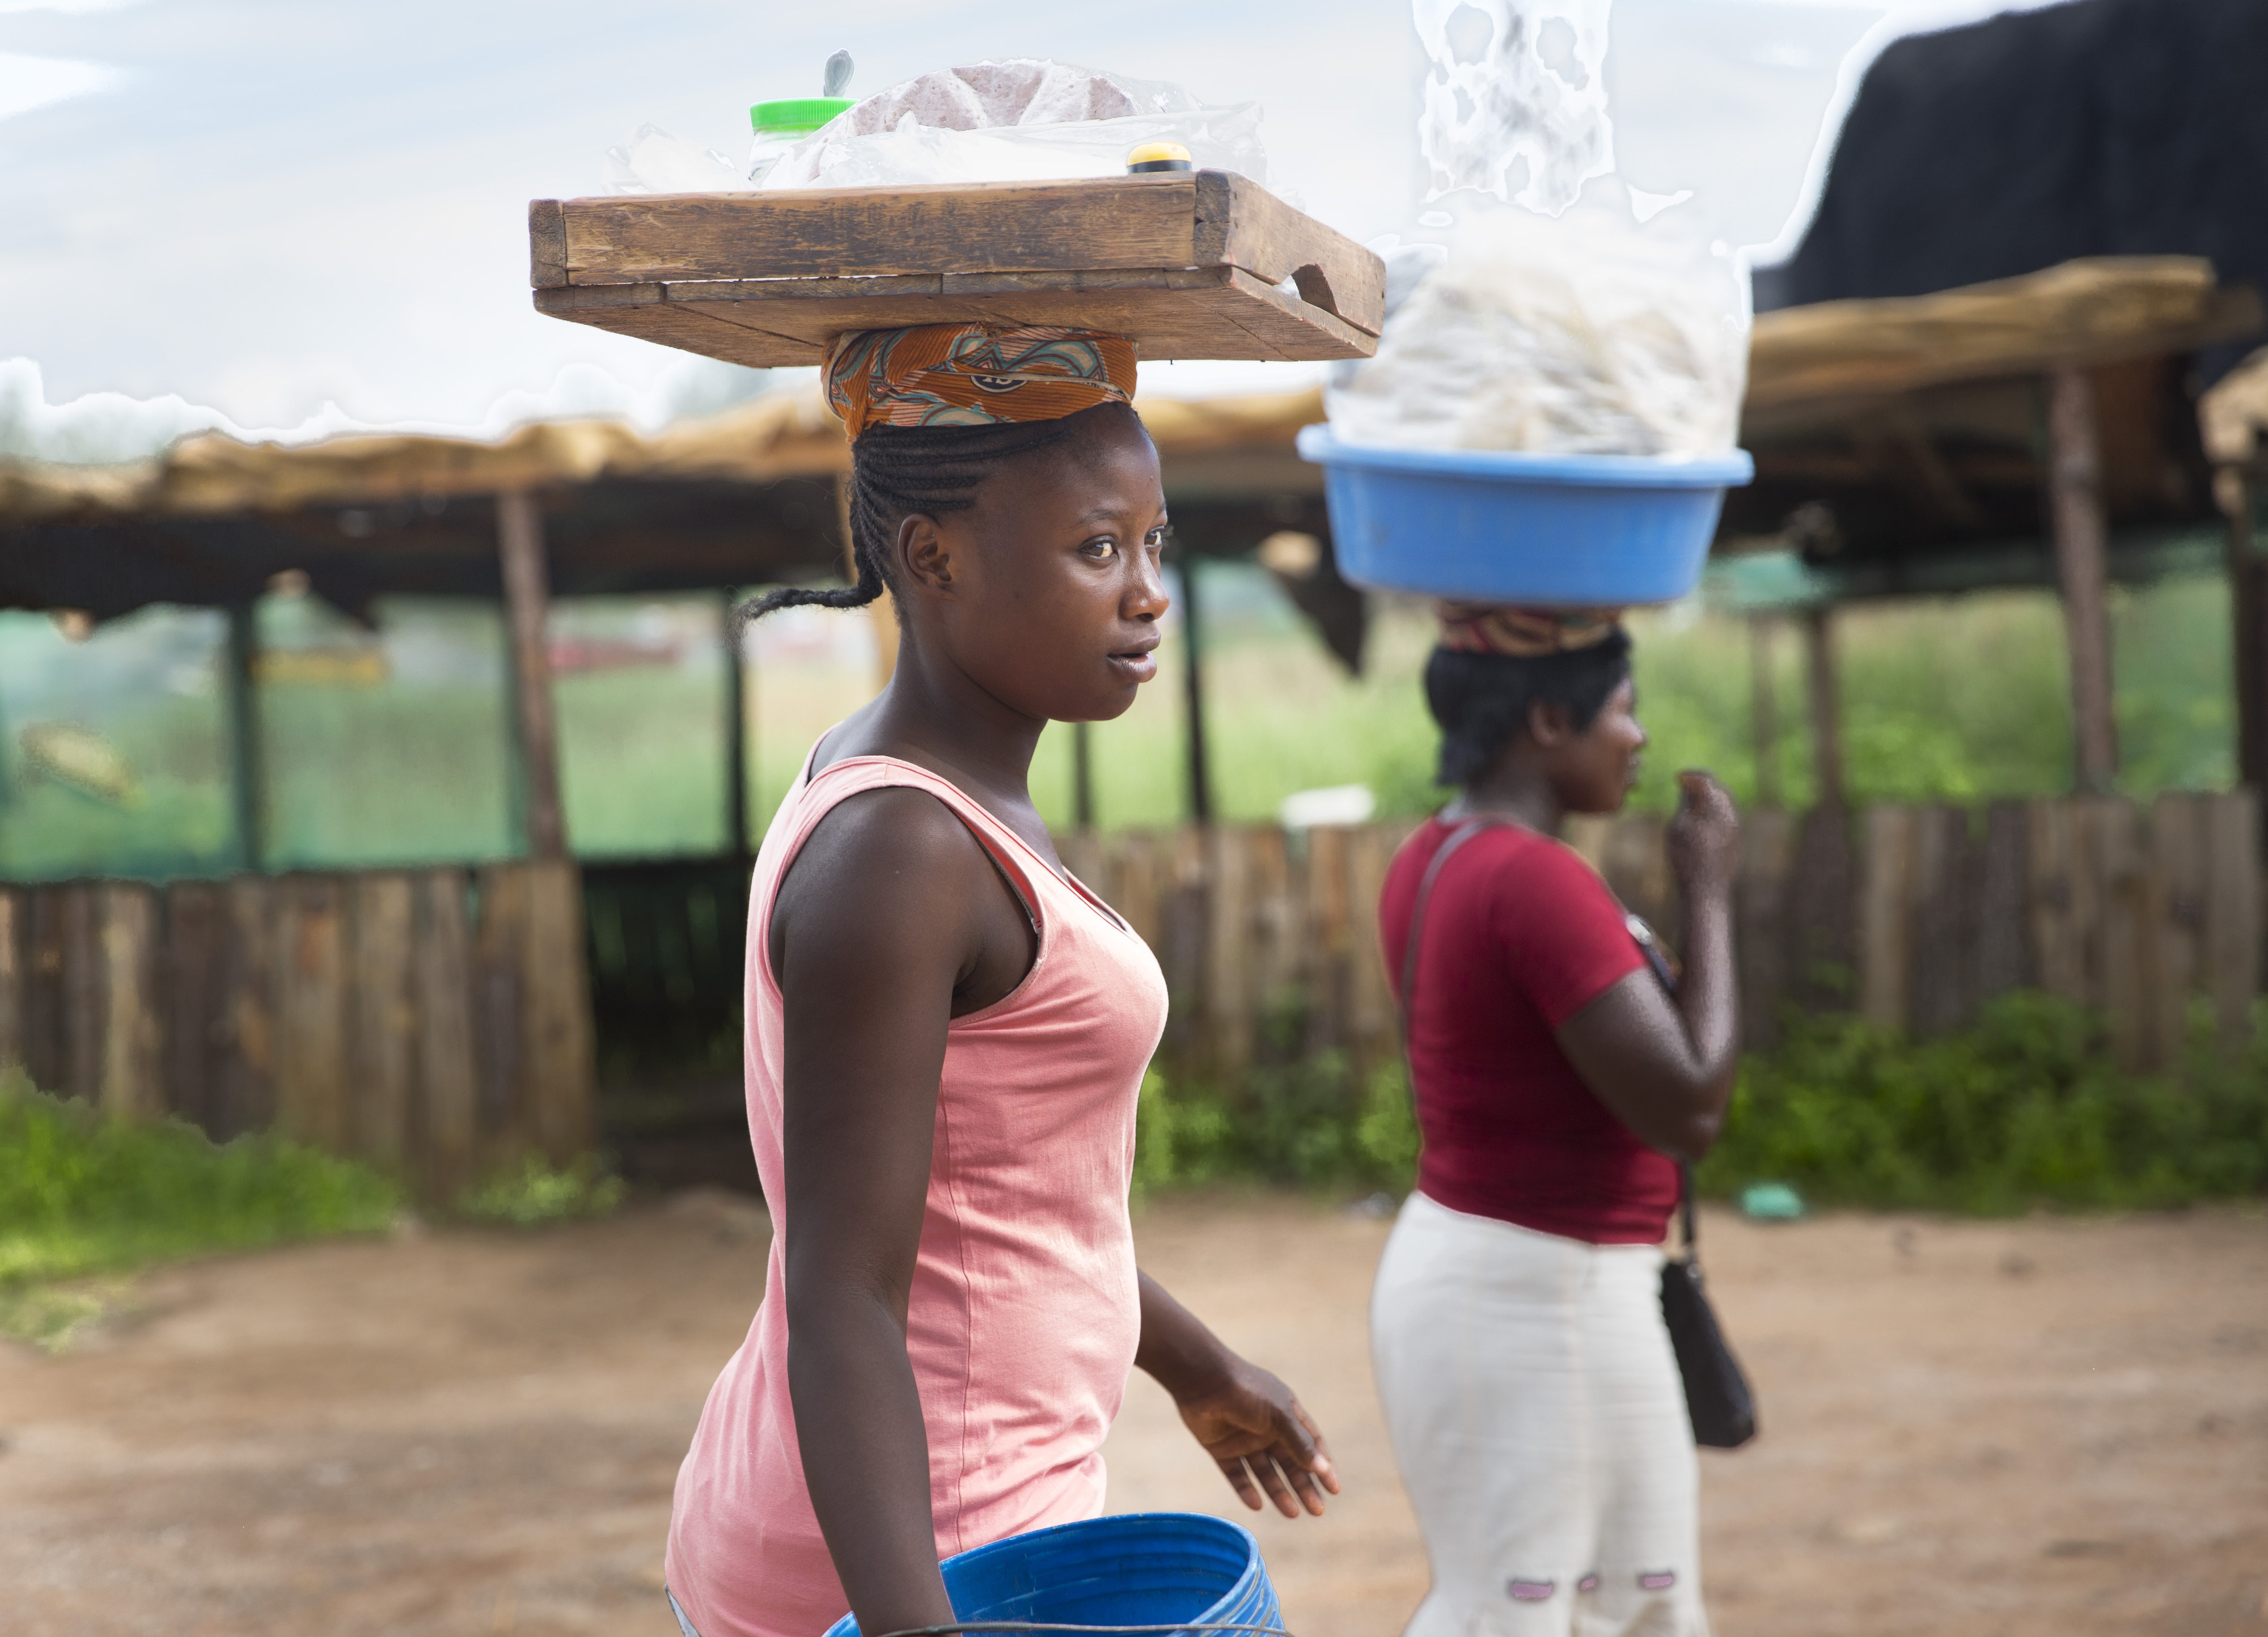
(1024, 1315)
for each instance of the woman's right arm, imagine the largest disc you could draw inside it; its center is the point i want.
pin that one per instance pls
(1665, 1067)
(879, 921)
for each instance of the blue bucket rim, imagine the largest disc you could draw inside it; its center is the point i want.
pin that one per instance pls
(1092, 1524)
(1733, 468)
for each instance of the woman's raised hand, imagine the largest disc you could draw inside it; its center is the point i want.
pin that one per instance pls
(1251, 1424)
(1705, 837)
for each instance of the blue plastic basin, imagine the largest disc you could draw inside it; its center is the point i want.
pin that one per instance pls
(1142, 1568)
(1494, 525)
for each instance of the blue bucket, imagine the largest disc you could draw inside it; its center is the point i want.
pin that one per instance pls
(1141, 1568)
(1496, 526)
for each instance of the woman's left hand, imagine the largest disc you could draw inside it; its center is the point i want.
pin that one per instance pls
(1251, 1424)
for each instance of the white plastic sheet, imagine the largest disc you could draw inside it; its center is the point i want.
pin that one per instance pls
(1515, 98)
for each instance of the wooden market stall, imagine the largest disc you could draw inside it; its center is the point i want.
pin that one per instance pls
(445, 1021)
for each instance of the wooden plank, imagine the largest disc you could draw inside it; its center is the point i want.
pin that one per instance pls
(448, 1074)
(2061, 898)
(1943, 898)
(1233, 989)
(937, 227)
(43, 987)
(1184, 921)
(561, 1063)
(2130, 924)
(244, 1089)
(2177, 858)
(1240, 223)
(1823, 956)
(547, 243)
(2082, 567)
(81, 991)
(500, 942)
(1138, 888)
(14, 908)
(382, 1026)
(193, 965)
(311, 1012)
(1329, 937)
(1886, 917)
(1215, 313)
(2004, 939)
(1760, 922)
(1370, 997)
(131, 1088)
(2232, 927)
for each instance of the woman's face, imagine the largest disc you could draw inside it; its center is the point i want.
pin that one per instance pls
(1593, 771)
(1052, 589)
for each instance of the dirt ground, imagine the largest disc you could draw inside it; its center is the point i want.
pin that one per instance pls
(2043, 1426)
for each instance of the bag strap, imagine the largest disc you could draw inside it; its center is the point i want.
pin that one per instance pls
(1416, 941)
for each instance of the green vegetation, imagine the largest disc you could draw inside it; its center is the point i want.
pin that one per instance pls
(536, 1193)
(2022, 1110)
(83, 1194)
(1956, 699)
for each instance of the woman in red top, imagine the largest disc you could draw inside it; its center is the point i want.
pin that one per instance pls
(1530, 1386)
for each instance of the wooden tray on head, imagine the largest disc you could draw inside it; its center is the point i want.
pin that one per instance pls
(1202, 264)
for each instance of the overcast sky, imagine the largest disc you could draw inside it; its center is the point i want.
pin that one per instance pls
(307, 214)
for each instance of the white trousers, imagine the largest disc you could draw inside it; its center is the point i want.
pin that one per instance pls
(1540, 1424)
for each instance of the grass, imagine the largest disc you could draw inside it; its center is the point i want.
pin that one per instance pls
(2022, 1110)
(82, 1194)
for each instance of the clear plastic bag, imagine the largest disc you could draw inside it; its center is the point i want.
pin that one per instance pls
(1516, 93)
(1589, 334)
(1023, 119)
(654, 161)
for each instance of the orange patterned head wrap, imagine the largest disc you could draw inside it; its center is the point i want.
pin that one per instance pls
(974, 374)
(1523, 633)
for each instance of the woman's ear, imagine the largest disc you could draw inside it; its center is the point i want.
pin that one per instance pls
(1549, 724)
(923, 555)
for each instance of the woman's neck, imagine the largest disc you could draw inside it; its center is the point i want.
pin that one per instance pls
(1515, 791)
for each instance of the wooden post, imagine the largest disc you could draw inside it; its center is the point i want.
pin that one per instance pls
(240, 688)
(2082, 565)
(2248, 600)
(1082, 776)
(2178, 858)
(1764, 714)
(14, 992)
(130, 1088)
(2131, 915)
(312, 1074)
(382, 1019)
(2232, 916)
(555, 1030)
(446, 1073)
(1200, 779)
(1826, 713)
(194, 988)
(736, 735)
(1886, 918)
(527, 599)
(244, 1089)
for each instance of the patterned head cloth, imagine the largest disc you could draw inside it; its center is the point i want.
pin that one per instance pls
(1523, 633)
(974, 374)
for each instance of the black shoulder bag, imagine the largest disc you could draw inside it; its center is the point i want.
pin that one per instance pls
(1718, 1399)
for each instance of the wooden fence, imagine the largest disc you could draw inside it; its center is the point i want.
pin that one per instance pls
(436, 1022)
(1913, 917)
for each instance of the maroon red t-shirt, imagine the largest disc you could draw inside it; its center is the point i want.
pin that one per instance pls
(1521, 934)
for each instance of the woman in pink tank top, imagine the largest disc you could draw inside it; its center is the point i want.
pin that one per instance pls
(946, 1032)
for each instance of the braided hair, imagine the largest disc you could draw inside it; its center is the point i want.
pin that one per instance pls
(897, 470)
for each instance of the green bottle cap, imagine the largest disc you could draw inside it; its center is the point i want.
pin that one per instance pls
(796, 113)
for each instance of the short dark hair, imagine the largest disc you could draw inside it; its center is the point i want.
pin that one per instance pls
(898, 470)
(1480, 700)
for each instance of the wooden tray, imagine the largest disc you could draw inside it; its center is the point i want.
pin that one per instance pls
(1191, 264)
